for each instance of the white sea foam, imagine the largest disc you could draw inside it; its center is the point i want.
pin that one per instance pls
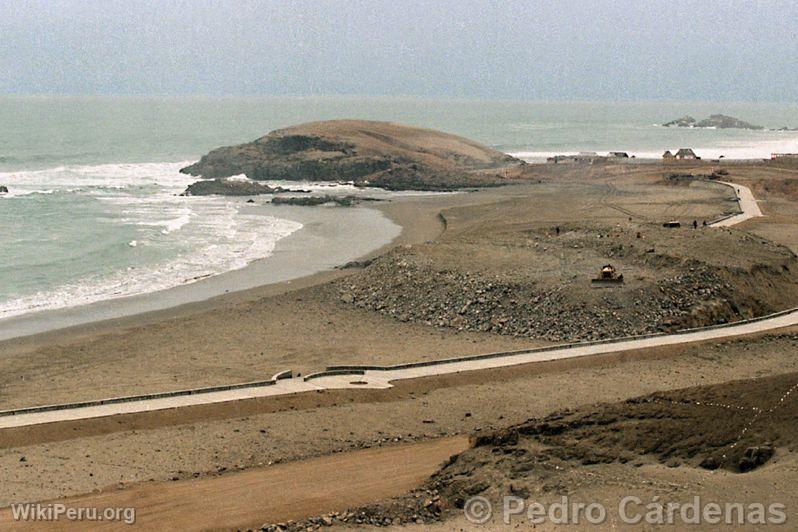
(249, 238)
(182, 239)
(334, 188)
(172, 224)
(729, 149)
(16, 193)
(116, 176)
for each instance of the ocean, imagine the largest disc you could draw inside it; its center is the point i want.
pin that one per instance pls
(94, 213)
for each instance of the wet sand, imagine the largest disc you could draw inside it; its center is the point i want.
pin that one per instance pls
(328, 237)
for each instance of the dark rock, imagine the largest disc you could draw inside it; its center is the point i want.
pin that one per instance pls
(726, 122)
(710, 462)
(478, 487)
(713, 121)
(356, 264)
(755, 457)
(227, 187)
(685, 121)
(3, 189)
(311, 201)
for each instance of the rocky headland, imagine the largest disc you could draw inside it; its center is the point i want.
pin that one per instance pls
(376, 154)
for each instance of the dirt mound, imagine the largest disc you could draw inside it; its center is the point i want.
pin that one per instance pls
(537, 282)
(778, 187)
(368, 153)
(738, 426)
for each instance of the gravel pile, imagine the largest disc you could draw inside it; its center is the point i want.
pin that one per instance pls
(470, 301)
(419, 507)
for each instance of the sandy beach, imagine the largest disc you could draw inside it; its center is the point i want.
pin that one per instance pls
(326, 239)
(407, 266)
(310, 322)
(304, 325)
(180, 334)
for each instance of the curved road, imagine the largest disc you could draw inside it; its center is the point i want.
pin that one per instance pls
(748, 206)
(381, 378)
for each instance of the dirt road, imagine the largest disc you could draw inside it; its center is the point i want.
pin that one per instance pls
(275, 494)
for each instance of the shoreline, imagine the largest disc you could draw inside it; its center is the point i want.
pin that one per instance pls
(287, 268)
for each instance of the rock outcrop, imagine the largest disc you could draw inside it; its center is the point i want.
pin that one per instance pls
(312, 201)
(228, 187)
(685, 121)
(713, 121)
(367, 153)
(3, 190)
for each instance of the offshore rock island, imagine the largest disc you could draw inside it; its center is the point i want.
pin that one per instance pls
(377, 154)
(717, 121)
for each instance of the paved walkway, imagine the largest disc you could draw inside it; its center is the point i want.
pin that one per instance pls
(383, 377)
(748, 206)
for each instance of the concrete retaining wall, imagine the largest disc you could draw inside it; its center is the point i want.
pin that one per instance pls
(555, 347)
(286, 374)
(145, 397)
(335, 371)
(361, 369)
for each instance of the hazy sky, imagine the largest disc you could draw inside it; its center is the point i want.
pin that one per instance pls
(563, 49)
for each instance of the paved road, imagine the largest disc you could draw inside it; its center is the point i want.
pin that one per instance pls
(748, 206)
(383, 378)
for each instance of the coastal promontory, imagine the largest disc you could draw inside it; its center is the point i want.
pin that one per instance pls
(368, 153)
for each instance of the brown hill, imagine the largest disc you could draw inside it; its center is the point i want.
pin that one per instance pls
(369, 153)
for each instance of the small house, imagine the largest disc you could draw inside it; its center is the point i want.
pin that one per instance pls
(619, 154)
(668, 156)
(686, 153)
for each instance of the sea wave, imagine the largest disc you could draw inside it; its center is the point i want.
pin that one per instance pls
(252, 237)
(110, 176)
(172, 224)
(164, 239)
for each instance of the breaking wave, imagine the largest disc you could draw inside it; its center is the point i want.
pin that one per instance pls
(145, 237)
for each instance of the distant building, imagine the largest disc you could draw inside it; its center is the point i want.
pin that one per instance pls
(668, 155)
(619, 154)
(686, 153)
(775, 156)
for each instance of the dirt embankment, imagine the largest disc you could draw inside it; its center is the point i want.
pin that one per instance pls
(535, 281)
(738, 426)
(367, 153)
(782, 187)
